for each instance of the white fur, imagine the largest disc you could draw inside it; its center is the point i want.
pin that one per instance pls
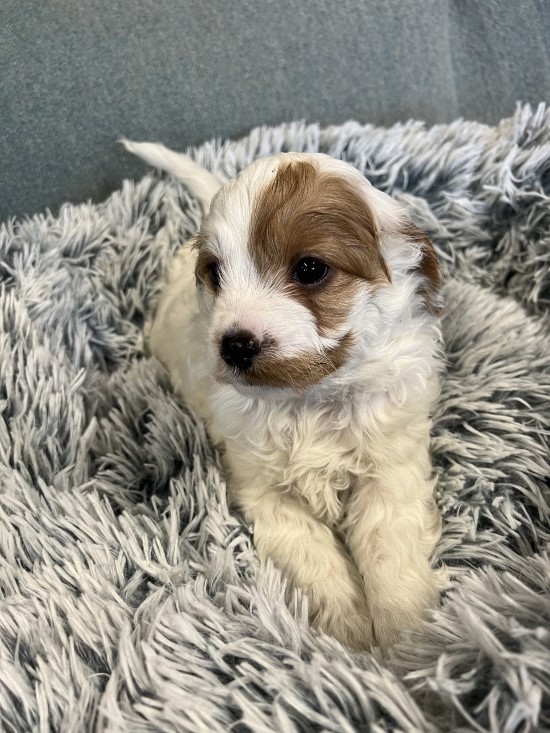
(202, 183)
(336, 480)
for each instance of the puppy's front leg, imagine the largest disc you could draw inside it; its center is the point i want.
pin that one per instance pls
(392, 528)
(310, 555)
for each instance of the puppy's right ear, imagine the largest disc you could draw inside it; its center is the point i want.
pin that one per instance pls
(200, 182)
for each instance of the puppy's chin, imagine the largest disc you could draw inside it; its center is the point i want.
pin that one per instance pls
(256, 392)
(253, 386)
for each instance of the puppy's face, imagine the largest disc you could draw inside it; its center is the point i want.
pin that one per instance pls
(289, 263)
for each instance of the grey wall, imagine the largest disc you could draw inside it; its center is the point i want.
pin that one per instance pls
(77, 75)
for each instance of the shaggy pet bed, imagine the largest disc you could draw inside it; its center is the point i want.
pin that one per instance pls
(133, 600)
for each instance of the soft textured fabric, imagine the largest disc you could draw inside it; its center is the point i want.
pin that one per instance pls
(132, 598)
(75, 76)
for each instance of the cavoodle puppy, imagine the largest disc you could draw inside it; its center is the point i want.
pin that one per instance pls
(302, 324)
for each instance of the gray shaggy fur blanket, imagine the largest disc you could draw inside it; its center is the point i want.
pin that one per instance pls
(133, 600)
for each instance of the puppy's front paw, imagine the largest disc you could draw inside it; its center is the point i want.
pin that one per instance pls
(353, 628)
(401, 605)
(343, 615)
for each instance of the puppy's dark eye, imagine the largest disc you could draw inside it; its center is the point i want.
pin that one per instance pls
(309, 271)
(214, 273)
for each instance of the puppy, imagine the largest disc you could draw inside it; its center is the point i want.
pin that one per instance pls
(302, 324)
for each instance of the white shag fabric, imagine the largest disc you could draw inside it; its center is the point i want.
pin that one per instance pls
(132, 599)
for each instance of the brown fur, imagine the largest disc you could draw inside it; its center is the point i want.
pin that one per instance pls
(298, 372)
(429, 268)
(307, 213)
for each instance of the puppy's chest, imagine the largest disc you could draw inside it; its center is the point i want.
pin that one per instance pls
(315, 455)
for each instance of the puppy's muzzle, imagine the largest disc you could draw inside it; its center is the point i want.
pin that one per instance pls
(239, 350)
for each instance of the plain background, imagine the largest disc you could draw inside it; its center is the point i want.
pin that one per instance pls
(75, 76)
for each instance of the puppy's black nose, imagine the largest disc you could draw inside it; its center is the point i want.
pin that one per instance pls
(239, 350)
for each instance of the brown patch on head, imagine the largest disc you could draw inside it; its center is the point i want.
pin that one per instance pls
(298, 372)
(305, 212)
(430, 289)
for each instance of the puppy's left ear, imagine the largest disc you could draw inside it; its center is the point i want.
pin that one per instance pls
(428, 268)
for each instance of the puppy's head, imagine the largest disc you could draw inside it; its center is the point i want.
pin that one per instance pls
(291, 261)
